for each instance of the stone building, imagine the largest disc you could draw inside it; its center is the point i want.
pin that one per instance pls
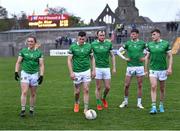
(126, 12)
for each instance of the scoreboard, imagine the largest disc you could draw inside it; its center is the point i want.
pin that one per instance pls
(48, 21)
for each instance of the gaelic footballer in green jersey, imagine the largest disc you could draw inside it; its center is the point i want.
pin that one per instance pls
(102, 49)
(80, 60)
(135, 66)
(31, 62)
(157, 52)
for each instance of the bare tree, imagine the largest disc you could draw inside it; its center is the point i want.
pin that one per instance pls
(3, 12)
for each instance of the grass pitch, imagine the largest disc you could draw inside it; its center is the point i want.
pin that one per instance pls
(54, 106)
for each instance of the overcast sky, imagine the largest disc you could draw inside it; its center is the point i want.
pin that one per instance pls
(156, 10)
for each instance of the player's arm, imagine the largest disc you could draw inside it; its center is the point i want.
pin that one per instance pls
(69, 62)
(146, 63)
(41, 66)
(41, 70)
(142, 59)
(93, 74)
(170, 62)
(121, 49)
(17, 66)
(113, 61)
(18, 62)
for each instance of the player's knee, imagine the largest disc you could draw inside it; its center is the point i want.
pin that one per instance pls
(162, 89)
(153, 87)
(77, 92)
(24, 93)
(107, 88)
(127, 86)
(98, 88)
(140, 85)
(33, 94)
(86, 90)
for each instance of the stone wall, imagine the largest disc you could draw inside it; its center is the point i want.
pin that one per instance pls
(12, 41)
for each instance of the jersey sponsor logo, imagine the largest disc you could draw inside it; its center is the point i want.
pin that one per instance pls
(101, 47)
(135, 46)
(76, 50)
(157, 46)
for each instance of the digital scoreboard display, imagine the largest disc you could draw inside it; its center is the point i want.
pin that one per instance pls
(48, 21)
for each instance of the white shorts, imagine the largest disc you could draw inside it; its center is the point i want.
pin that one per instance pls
(103, 73)
(160, 75)
(30, 79)
(82, 77)
(136, 70)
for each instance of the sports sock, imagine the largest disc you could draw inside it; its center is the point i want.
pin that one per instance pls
(31, 108)
(139, 99)
(161, 103)
(98, 101)
(23, 108)
(77, 98)
(126, 99)
(86, 106)
(104, 94)
(153, 104)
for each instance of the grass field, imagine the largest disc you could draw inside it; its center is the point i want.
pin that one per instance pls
(54, 106)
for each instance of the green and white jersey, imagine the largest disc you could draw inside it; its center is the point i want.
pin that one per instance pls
(81, 56)
(135, 51)
(101, 52)
(30, 62)
(158, 52)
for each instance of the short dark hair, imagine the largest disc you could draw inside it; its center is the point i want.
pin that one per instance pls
(156, 30)
(99, 31)
(82, 33)
(135, 30)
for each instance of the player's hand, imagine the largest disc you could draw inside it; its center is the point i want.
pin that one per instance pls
(142, 59)
(40, 80)
(16, 76)
(128, 59)
(93, 74)
(169, 71)
(114, 70)
(146, 73)
(72, 75)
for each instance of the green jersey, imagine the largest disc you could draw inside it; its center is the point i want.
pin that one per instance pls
(30, 62)
(135, 51)
(158, 52)
(101, 52)
(81, 56)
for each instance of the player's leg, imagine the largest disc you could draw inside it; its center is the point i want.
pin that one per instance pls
(33, 86)
(77, 97)
(98, 78)
(86, 81)
(139, 75)
(139, 99)
(32, 99)
(77, 84)
(106, 80)
(98, 94)
(106, 91)
(24, 91)
(126, 91)
(153, 82)
(162, 79)
(162, 94)
(86, 95)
